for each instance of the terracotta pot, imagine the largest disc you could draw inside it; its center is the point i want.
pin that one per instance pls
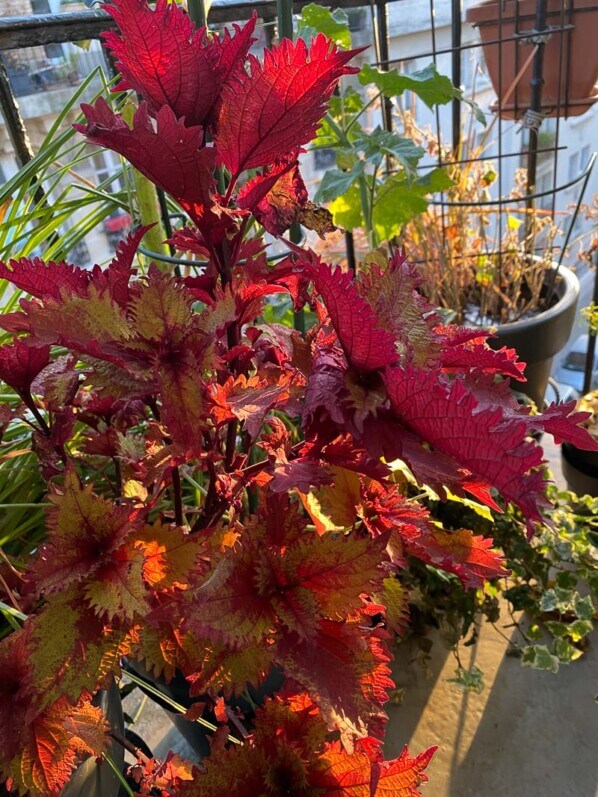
(569, 78)
(537, 339)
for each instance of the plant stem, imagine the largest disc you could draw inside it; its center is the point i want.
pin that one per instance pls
(127, 745)
(360, 113)
(176, 706)
(177, 494)
(28, 399)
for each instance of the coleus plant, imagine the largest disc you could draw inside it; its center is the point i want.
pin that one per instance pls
(287, 554)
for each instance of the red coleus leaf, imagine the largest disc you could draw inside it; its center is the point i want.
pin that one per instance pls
(391, 293)
(345, 669)
(341, 774)
(44, 280)
(287, 753)
(259, 588)
(249, 400)
(563, 423)
(40, 745)
(275, 108)
(120, 269)
(20, 363)
(232, 49)
(84, 532)
(367, 345)
(71, 649)
(278, 198)
(275, 196)
(448, 416)
(461, 351)
(469, 556)
(53, 744)
(163, 777)
(161, 55)
(168, 152)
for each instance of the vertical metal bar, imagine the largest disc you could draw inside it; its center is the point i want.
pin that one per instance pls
(555, 162)
(499, 142)
(197, 12)
(16, 127)
(456, 58)
(445, 247)
(284, 9)
(13, 118)
(383, 57)
(536, 84)
(587, 378)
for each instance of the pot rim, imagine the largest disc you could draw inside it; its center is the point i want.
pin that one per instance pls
(568, 292)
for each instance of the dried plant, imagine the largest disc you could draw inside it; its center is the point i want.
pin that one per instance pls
(486, 263)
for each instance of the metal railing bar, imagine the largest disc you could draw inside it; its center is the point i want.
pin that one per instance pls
(476, 45)
(31, 31)
(515, 200)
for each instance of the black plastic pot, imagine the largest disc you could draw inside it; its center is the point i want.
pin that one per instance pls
(538, 339)
(196, 735)
(580, 469)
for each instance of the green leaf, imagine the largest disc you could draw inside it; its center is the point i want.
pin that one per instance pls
(479, 509)
(435, 180)
(583, 607)
(468, 680)
(337, 182)
(399, 201)
(430, 86)
(346, 210)
(520, 596)
(380, 142)
(566, 580)
(538, 657)
(556, 629)
(566, 652)
(320, 19)
(534, 632)
(578, 629)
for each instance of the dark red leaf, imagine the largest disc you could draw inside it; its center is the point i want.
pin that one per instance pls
(164, 58)
(367, 345)
(275, 108)
(168, 153)
(20, 363)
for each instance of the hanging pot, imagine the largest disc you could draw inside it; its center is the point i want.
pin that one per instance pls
(539, 338)
(570, 66)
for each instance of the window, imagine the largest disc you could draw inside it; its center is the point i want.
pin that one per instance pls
(105, 165)
(40, 7)
(324, 159)
(573, 166)
(584, 157)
